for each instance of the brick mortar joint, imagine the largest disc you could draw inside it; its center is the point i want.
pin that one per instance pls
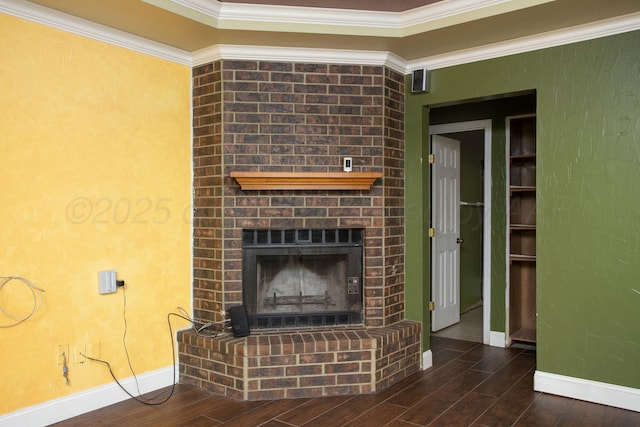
(245, 372)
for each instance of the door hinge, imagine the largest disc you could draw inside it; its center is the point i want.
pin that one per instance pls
(432, 306)
(432, 159)
(432, 232)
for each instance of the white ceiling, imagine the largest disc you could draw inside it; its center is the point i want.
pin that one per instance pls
(437, 29)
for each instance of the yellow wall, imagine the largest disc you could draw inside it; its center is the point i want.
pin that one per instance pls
(95, 174)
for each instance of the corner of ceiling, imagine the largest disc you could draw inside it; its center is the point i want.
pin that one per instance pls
(319, 20)
(72, 24)
(45, 16)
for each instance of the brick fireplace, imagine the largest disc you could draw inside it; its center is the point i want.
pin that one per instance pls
(298, 117)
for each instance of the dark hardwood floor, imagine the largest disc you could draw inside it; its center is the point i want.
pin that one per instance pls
(469, 384)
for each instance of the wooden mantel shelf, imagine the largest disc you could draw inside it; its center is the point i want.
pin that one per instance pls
(305, 180)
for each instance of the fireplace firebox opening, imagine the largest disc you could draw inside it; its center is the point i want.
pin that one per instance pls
(302, 278)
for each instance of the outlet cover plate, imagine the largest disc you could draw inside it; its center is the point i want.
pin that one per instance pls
(62, 354)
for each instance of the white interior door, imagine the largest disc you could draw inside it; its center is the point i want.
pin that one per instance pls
(445, 219)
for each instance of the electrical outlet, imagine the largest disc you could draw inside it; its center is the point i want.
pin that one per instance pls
(62, 353)
(78, 351)
(93, 349)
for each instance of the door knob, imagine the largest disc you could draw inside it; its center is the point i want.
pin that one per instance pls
(459, 240)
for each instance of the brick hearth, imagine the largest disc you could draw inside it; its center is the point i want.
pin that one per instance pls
(298, 117)
(297, 364)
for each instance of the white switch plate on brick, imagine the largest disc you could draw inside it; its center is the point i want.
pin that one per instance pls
(347, 166)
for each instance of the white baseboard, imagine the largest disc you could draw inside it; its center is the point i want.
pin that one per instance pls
(497, 339)
(89, 400)
(427, 359)
(590, 391)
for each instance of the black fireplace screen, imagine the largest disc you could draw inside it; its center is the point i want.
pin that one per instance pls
(302, 278)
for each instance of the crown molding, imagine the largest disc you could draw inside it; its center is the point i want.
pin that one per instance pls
(608, 27)
(72, 24)
(244, 16)
(288, 54)
(45, 16)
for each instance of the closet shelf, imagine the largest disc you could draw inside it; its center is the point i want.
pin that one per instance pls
(517, 157)
(522, 188)
(522, 227)
(522, 258)
(524, 334)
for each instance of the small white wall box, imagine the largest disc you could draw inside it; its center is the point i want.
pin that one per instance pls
(106, 282)
(347, 166)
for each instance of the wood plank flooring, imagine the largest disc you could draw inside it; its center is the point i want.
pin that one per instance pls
(470, 384)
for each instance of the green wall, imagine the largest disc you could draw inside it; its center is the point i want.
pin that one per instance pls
(588, 209)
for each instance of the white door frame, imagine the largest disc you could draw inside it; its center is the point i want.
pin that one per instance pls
(485, 125)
